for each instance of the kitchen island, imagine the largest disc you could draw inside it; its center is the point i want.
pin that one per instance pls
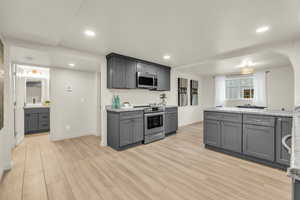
(252, 134)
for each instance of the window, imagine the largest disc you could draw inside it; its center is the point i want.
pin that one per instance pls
(239, 88)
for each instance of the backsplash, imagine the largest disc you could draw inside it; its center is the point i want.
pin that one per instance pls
(141, 97)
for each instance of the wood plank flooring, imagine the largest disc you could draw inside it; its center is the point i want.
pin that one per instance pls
(176, 168)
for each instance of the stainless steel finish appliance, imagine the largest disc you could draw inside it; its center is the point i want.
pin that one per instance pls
(182, 92)
(146, 80)
(154, 123)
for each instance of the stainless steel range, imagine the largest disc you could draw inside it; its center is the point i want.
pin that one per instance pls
(154, 123)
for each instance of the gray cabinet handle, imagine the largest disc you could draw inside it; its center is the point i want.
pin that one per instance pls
(283, 141)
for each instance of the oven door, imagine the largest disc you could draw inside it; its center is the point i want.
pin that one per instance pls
(145, 80)
(154, 123)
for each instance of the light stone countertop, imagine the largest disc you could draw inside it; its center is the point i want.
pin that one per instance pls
(108, 108)
(251, 111)
(35, 106)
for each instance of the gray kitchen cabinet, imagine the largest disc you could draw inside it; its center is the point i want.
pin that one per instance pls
(31, 122)
(146, 67)
(171, 120)
(126, 131)
(212, 132)
(163, 79)
(296, 190)
(138, 130)
(231, 136)
(124, 128)
(36, 120)
(283, 128)
(121, 72)
(259, 141)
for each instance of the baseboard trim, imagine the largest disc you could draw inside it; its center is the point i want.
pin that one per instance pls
(52, 138)
(193, 123)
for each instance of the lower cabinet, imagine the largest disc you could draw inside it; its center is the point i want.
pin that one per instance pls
(249, 135)
(212, 132)
(124, 129)
(259, 141)
(231, 136)
(283, 128)
(36, 120)
(171, 120)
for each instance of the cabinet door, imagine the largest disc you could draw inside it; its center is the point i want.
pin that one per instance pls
(171, 122)
(118, 72)
(138, 130)
(146, 68)
(31, 122)
(283, 128)
(258, 141)
(231, 136)
(126, 130)
(163, 78)
(212, 130)
(130, 74)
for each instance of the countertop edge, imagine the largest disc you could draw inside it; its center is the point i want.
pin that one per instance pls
(254, 112)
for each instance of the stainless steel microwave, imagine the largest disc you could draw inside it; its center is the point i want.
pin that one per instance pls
(146, 80)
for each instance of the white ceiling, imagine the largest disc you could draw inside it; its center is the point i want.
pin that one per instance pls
(261, 61)
(189, 31)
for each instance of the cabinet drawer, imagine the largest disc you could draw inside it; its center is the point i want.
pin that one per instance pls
(43, 125)
(261, 120)
(213, 115)
(43, 116)
(171, 110)
(232, 117)
(131, 115)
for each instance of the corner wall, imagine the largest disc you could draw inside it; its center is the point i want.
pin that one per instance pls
(73, 111)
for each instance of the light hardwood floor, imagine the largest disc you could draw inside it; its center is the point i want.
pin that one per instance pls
(176, 168)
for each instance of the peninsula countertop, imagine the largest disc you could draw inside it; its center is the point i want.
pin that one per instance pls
(110, 109)
(251, 111)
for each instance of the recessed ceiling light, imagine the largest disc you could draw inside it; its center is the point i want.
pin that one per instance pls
(167, 57)
(71, 64)
(262, 29)
(89, 33)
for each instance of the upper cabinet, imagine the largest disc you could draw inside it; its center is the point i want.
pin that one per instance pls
(163, 79)
(122, 72)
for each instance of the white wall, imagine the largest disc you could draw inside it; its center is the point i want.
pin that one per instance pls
(7, 133)
(280, 89)
(74, 111)
(186, 115)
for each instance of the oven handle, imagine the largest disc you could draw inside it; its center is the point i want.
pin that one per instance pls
(153, 114)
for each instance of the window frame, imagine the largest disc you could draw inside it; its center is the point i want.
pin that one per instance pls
(240, 89)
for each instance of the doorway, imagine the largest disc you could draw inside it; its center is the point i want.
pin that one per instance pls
(31, 100)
